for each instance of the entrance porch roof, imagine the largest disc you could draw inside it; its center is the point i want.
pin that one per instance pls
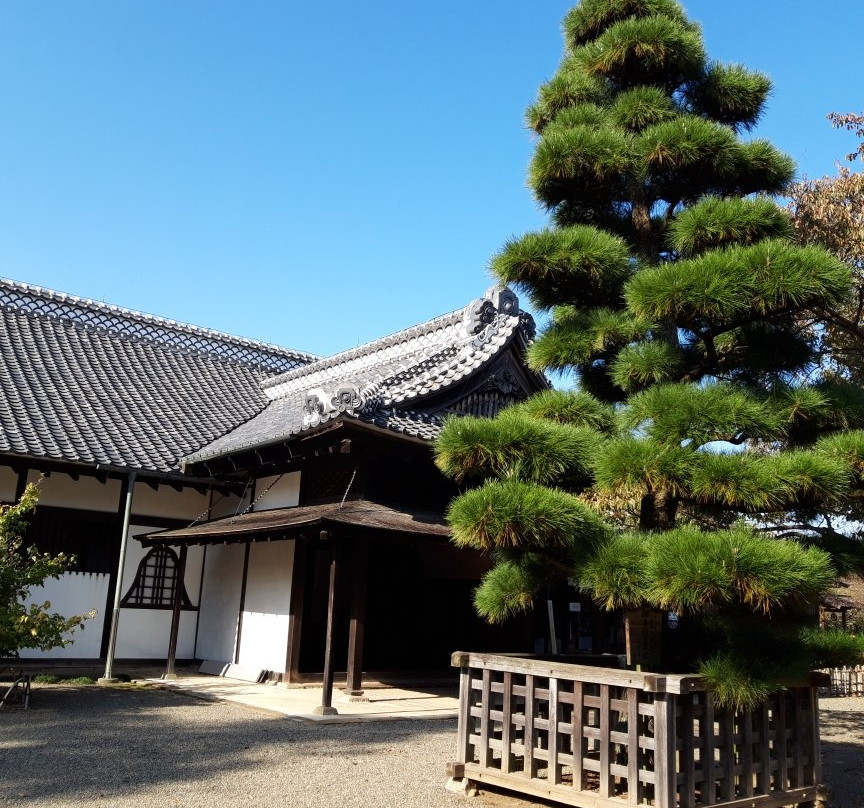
(287, 523)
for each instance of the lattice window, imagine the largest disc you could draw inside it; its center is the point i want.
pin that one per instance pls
(156, 582)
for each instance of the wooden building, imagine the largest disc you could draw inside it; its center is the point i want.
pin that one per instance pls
(263, 485)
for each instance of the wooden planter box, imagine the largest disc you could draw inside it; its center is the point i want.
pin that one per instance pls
(605, 738)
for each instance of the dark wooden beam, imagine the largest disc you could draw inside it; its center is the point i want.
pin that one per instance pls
(242, 605)
(295, 608)
(179, 588)
(21, 484)
(357, 626)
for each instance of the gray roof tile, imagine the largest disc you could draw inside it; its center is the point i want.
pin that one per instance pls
(85, 382)
(384, 382)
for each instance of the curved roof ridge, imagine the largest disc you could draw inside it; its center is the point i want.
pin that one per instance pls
(367, 349)
(39, 301)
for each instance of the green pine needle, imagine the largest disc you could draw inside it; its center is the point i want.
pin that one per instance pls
(521, 515)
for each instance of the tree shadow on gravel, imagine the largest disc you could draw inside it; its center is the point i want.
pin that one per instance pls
(843, 757)
(82, 745)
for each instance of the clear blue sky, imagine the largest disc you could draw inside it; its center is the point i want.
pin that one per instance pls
(321, 174)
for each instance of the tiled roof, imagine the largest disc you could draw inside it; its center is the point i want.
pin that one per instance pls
(85, 382)
(384, 382)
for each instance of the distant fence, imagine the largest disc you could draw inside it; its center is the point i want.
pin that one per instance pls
(845, 682)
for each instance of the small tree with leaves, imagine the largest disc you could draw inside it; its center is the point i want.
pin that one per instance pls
(682, 473)
(829, 211)
(22, 625)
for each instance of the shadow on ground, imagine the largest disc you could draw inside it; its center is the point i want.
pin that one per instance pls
(136, 747)
(92, 745)
(843, 757)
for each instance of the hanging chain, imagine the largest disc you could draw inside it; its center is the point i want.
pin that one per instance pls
(204, 513)
(350, 483)
(257, 499)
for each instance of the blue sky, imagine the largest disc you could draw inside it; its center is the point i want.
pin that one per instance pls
(321, 174)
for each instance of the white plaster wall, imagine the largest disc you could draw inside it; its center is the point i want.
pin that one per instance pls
(229, 505)
(74, 593)
(220, 602)
(264, 636)
(282, 492)
(85, 493)
(8, 484)
(167, 502)
(145, 633)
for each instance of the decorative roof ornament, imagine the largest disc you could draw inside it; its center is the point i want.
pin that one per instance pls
(527, 326)
(316, 407)
(503, 300)
(502, 381)
(483, 317)
(346, 399)
(321, 406)
(479, 314)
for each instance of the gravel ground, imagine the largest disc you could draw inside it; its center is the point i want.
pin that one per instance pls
(842, 731)
(135, 747)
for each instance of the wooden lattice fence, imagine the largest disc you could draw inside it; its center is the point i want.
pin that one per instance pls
(605, 738)
(845, 681)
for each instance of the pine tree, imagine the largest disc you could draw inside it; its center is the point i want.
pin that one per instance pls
(685, 472)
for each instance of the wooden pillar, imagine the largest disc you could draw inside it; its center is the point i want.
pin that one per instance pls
(643, 631)
(326, 706)
(357, 626)
(295, 609)
(242, 607)
(179, 588)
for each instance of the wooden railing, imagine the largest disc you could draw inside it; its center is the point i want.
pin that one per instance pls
(605, 738)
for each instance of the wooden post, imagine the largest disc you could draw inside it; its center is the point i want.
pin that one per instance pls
(295, 609)
(553, 773)
(241, 608)
(605, 772)
(457, 768)
(643, 630)
(357, 626)
(507, 724)
(577, 735)
(634, 754)
(179, 588)
(326, 707)
(665, 771)
(530, 741)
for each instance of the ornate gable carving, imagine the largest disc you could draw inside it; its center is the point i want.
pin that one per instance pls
(501, 386)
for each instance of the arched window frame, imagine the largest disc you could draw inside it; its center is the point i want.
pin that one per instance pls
(156, 582)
